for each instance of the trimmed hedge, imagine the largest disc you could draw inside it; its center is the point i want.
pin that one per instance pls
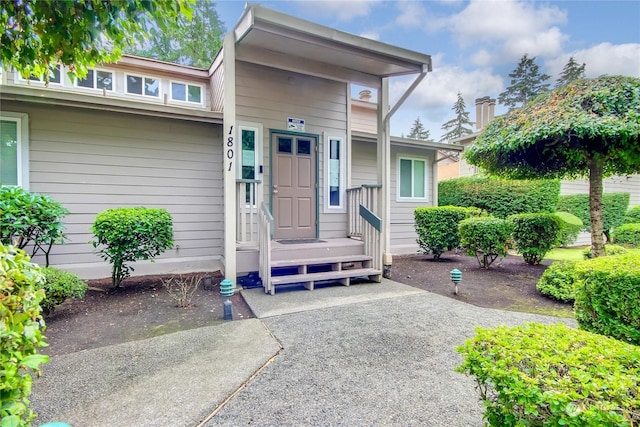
(558, 281)
(633, 215)
(437, 227)
(570, 226)
(609, 249)
(607, 295)
(628, 235)
(534, 234)
(551, 375)
(58, 286)
(486, 238)
(125, 235)
(500, 197)
(614, 208)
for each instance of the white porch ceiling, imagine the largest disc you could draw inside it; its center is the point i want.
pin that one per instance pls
(274, 39)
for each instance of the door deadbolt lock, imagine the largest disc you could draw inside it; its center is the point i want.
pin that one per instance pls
(275, 189)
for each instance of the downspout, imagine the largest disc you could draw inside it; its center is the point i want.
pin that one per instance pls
(384, 153)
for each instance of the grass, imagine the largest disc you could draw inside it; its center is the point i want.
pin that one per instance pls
(574, 254)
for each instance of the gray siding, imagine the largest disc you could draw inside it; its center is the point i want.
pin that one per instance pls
(269, 96)
(91, 161)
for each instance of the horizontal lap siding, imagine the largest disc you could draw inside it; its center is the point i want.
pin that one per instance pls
(91, 161)
(269, 96)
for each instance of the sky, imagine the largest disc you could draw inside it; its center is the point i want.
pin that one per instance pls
(475, 44)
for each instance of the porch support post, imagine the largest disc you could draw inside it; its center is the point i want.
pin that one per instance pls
(384, 173)
(229, 154)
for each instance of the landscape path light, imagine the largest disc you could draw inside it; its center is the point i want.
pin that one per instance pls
(226, 290)
(456, 277)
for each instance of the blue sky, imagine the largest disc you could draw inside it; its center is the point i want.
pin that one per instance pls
(476, 44)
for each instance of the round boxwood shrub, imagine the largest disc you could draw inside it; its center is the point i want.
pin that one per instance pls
(552, 375)
(486, 238)
(58, 286)
(534, 234)
(607, 294)
(633, 215)
(609, 249)
(558, 281)
(627, 235)
(437, 227)
(570, 226)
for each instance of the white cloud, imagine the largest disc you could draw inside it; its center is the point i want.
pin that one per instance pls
(603, 58)
(412, 14)
(373, 35)
(546, 43)
(342, 10)
(482, 58)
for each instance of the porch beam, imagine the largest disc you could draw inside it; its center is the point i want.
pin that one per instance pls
(230, 151)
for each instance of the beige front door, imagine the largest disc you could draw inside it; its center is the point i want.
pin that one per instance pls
(293, 181)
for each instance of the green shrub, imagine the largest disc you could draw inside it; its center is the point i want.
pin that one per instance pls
(437, 227)
(609, 249)
(485, 237)
(58, 286)
(534, 234)
(130, 234)
(30, 218)
(570, 226)
(628, 235)
(551, 375)
(558, 281)
(21, 328)
(633, 215)
(614, 207)
(500, 197)
(607, 295)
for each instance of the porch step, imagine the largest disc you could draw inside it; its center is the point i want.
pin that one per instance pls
(343, 276)
(321, 261)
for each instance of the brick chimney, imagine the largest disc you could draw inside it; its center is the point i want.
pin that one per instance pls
(364, 95)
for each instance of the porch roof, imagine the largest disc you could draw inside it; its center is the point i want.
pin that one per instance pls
(271, 38)
(407, 142)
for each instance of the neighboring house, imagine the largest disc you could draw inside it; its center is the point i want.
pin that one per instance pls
(252, 157)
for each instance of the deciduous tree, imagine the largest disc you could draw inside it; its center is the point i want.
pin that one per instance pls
(526, 83)
(590, 127)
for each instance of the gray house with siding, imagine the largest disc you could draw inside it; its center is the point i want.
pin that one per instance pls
(263, 160)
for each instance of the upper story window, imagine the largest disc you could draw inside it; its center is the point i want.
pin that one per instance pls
(55, 77)
(185, 92)
(14, 150)
(147, 86)
(412, 178)
(97, 79)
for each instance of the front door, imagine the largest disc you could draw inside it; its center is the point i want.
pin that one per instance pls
(293, 180)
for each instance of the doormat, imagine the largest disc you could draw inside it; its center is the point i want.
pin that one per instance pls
(299, 241)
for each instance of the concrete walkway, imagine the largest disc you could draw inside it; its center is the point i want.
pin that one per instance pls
(368, 354)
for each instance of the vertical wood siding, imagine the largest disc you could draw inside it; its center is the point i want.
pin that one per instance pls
(91, 161)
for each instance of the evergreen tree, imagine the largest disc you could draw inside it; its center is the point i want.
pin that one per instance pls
(418, 131)
(571, 71)
(192, 42)
(526, 83)
(457, 126)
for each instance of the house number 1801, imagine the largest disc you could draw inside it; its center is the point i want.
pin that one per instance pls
(230, 150)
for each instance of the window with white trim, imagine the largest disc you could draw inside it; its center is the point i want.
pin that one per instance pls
(335, 174)
(412, 178)
(97, 79)
(139, 85)
(185, 92)
(54, 78)
(249, 163)
(14, 149)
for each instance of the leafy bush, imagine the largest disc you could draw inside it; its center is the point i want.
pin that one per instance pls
(633, 215)
(609, 249)
(558, 281)
(21, 328)
(551, 375)
(30, 218)
(570, 226)
(59, 285)
(437, 227)
(129, 234)
(485, 237)
(499, 197)
(614, 207)
(607, 295)
(534, 234)
(627, 234)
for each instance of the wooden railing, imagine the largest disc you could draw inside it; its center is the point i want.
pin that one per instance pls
(364, 219)
(247, 202)
(266, 227)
